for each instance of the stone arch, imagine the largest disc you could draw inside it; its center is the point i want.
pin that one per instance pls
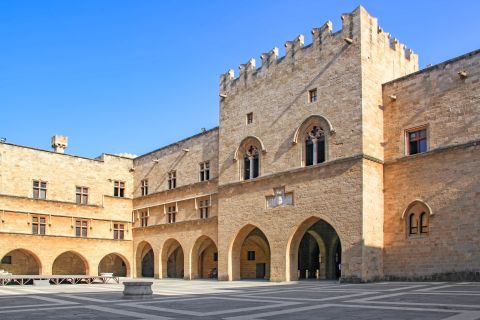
(314, 131)
(21, 261)
(202, 258)
(258, 240)
(296, 237)
(70, 263)
(316, 118)
(114, 263)
(417, 203)
(417, 218)
(145, 260)
(249, 140)
(172, 259)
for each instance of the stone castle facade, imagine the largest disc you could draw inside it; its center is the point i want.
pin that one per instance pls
(339, 159)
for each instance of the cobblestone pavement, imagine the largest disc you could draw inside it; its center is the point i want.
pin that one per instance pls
(179, 299)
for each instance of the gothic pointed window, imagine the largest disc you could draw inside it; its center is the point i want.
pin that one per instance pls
(423, 223)
(314, 146)
(251, 163)
(417, 219)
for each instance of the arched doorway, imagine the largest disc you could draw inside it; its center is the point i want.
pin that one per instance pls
(249, 255)
(114, 263)
(204, 259)
(172, 259)
(315, 251)
(22, 262)
(145, 260)
(70, 263)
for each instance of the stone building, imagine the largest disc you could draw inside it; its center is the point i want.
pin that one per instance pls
(339, 159)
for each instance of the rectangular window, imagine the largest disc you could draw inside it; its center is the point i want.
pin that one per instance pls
(416, 141)
(118, 231)
(172, 179)
(251, 255)
(144, 219)
(81, 195)
(144, 187)
(6, 260)
(119, 189)
(38, 225)
(204, 208)
(81, 227)
(312, 95)
(39, 189)
(205, 171)
(171, 214)
(250, 118)
(215, 256)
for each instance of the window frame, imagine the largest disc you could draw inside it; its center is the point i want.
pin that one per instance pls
(251, 255)
(119, 231)
(37, 190)
(204, 208)
(81, 225)
(143, 219)
(39, 222)
(172, 179)
(204, 171)
(312, 95)
(119, 188)
(172, 214)
(409, 131)
(249, 118)
(144, 187)
(83, 195)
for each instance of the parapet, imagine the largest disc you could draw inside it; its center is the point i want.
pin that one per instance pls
(323, 38)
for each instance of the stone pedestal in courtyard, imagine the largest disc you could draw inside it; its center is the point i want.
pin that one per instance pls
(137, 289)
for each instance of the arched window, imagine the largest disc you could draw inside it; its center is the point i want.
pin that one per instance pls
(251, 163)
(313, 135)
(249, 157)
(412, 224)
(314, 146)
(423, 223)
(417, 215)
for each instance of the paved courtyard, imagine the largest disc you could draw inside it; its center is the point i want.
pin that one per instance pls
(178, 299)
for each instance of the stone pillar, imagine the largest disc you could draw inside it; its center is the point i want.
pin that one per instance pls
(250, 161)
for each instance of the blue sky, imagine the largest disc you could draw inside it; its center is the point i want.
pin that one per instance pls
(132, 76)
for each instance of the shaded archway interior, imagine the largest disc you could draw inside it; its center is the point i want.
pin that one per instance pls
(173, 259)
(21, 262)
(255, 256)
(113, 263)
(319, 253)
(70, 263)
(208, 260)
(145, 260)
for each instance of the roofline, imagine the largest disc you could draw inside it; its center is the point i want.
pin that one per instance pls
(66, 154)
(177, 142)
(431, 68)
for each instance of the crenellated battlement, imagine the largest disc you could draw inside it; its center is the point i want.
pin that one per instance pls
(323, 39)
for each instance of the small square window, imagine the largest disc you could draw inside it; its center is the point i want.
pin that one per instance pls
(312, 95)
(6, 260)
(250, 118)
(416, 141)
(251, 255)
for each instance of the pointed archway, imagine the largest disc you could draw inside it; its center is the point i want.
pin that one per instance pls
(21, 261)
(70, 263)
(114, 263)
(173, 260)
(145, 260)
(314, 251)
(249, 255)
(204, 259)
